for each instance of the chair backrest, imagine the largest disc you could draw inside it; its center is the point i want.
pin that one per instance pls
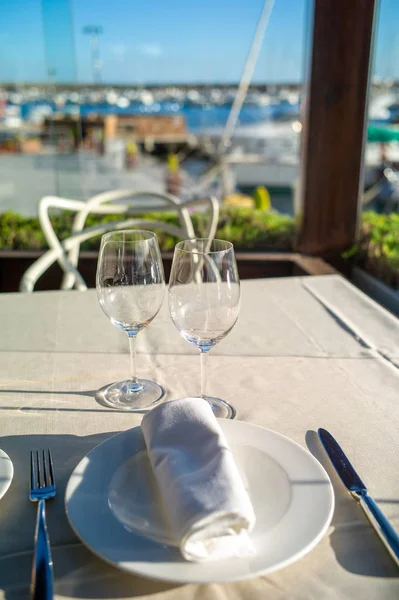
(127, 203)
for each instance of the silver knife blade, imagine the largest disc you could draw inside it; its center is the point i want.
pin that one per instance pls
(341, 463)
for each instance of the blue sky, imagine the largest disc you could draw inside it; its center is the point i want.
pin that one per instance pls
(161, 41)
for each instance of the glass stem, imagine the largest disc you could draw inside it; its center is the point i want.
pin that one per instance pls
(204, 360)
(135, 386)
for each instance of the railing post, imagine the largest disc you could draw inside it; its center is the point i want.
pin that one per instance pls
(334, 126)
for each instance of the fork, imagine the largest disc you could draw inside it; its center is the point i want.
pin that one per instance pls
(42, 488)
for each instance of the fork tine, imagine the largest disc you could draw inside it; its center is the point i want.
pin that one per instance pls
(42, 490)
(32, 472)
(45, 475)
(50, 461)
(39, 470)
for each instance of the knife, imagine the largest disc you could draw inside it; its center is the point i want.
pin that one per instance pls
(359, 491)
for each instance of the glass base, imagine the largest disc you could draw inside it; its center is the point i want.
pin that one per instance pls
(221, 409)
(124, 395)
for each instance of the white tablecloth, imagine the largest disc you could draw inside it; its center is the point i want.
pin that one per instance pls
(306, 353)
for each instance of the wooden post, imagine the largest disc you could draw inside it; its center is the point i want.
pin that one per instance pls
(334, 126)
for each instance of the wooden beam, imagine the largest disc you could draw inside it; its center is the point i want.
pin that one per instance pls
(334, 126)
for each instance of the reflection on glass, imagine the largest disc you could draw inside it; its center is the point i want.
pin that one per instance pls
(130, 288)
(204, 300)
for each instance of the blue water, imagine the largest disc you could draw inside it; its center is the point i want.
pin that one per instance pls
(197, 117)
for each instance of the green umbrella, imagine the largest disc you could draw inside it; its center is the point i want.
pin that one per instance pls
(382, 134)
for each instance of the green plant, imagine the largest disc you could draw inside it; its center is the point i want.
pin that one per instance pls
(20, 233)
(248, 229)
(378, 248)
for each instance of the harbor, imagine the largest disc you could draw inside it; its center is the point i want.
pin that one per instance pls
(77, 141)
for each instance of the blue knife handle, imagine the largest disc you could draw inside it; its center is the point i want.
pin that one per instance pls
(381, 524)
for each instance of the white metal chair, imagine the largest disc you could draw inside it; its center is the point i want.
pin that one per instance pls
(67, 251)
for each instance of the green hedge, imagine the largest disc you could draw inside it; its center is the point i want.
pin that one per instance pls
(247, 229)
(378, 248)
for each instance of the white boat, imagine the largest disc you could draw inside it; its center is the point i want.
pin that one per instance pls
(196, 98)
(38, 114)
(59, 100)
(146, 98)
(289, 96)
(74, 97)
(379, 106)
(123, 102)
(16, 98)
(12, 116)
(112, 97)
(268, 153)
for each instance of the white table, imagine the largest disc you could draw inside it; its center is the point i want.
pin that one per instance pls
(306, 353)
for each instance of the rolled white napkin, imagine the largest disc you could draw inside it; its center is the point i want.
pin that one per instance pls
(208, 507)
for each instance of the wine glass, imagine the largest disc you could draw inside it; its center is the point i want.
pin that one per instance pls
(204, 300)
(130, 288)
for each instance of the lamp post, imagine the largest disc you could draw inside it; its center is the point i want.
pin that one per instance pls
(94, 31)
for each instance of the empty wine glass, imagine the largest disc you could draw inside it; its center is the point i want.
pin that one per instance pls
(204, 300)
(130, 287)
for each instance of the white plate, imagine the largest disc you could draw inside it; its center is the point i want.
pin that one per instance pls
(111, 498)
(6, 472)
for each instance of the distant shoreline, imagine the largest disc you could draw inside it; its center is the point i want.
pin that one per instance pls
(268, 87)
(262, 87)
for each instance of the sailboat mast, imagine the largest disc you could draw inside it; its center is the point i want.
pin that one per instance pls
(246, 75)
